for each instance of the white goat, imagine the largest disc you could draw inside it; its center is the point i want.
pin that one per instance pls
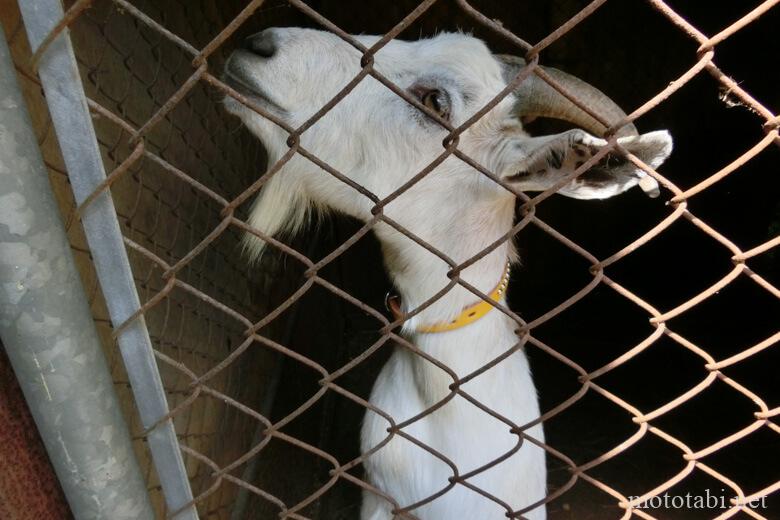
(380, 141)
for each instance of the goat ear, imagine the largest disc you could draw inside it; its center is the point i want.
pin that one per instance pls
(280, 209)
(558, 157)
(615, 174)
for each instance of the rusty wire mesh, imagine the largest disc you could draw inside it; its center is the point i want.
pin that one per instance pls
(178, 243)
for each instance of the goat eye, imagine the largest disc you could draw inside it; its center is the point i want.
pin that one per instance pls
(436, 100)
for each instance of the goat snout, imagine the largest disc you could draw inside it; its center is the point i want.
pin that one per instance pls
(262, 44)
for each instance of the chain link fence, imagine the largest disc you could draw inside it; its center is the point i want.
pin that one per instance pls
(267, 368)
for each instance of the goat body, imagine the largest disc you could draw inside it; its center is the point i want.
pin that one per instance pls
(462, 434)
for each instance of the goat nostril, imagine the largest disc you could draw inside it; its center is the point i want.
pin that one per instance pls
(261, 44)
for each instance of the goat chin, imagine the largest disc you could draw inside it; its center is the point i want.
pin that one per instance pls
(460, 433)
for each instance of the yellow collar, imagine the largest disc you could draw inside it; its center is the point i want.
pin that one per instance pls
(467, 316)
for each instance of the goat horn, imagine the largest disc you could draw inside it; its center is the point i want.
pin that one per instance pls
(538, 99)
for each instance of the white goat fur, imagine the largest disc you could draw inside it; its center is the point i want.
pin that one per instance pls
(380, 141)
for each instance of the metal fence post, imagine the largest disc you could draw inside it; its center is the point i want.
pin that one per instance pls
(47, 328)
(59, 74)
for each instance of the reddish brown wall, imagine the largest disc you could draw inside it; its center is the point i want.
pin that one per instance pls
(28, 486)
